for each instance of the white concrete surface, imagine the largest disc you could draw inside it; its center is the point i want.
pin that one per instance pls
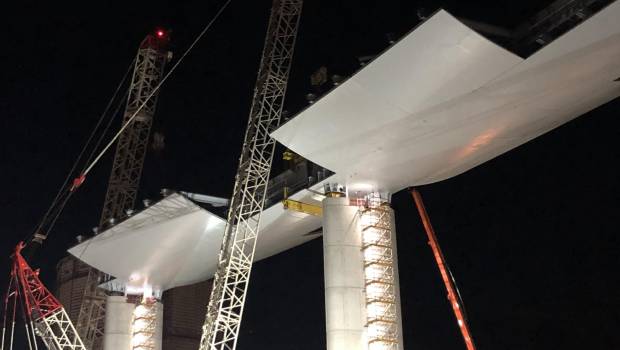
(159, 326)
(118, 320)
(344, 276)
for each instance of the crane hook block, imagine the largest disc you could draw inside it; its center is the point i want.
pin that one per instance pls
(77, 182)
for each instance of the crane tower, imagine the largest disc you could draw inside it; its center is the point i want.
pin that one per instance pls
(126, 169)
(223, 318)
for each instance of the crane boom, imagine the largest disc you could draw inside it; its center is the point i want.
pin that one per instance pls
(126, 169)
(223, 318)
(446, 276)
(133, 142)
(43, 313)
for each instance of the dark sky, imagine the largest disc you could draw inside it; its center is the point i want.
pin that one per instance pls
(531, 236)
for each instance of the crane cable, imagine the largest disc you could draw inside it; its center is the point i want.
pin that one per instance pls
(91, 163)
(82, 176)
(70, 193)
(62, 191)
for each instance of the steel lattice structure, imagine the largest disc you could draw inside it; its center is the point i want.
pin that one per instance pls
(44, 314)
(133, 142)
(379, 274)
(126, 170)
(58, 332)
(223, 318)
(92, 310)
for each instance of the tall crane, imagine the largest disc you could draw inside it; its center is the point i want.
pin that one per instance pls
(223, 318)
(126, 169)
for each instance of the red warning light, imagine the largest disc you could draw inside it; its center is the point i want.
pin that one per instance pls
(160, 33)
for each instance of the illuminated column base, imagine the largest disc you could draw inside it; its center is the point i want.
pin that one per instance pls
(344, 276)
(118, 319)
(147, 327)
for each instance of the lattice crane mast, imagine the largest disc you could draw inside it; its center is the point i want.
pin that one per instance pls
(43, 314)
(126, 168)
(223, 318)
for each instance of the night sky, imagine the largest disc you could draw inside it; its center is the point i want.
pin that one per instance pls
(531, 236)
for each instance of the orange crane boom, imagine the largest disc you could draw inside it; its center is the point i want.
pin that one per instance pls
(443, 268)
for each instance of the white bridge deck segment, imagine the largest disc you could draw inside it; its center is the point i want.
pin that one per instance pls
(444, 99)
(174, 242)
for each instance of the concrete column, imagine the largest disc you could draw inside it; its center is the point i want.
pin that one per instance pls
(159, 326)
(118, 319)
(401, 344)
(344, 276)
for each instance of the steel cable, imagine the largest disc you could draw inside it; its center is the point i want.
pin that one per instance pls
(70, 174)
(174, 67)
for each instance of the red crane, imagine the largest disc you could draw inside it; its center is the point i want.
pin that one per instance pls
(446, 276)
(43, 314)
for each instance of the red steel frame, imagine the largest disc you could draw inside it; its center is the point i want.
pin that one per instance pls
(43, 313)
